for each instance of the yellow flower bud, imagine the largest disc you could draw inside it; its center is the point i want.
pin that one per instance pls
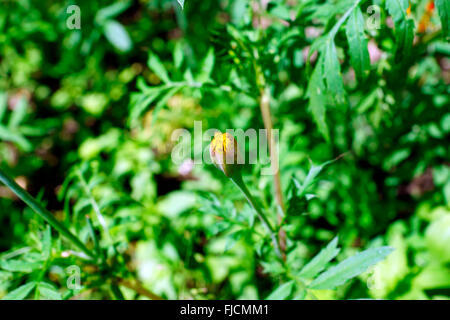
(224, 153)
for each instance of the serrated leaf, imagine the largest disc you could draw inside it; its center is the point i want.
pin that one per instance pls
(282, 292)
(444, 13)
(332, 72)
(320, 261)
(350, 268)
(404, 28)
(21, 292)
(317, 101)
(117, 35)
(313, 172)
(20, 265)
(397, 9)
(359, 54)
(157, 67)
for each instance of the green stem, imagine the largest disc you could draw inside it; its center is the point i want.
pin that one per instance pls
(341, 21)
(42, 212)
(93, 235)
(237, 179)
(94, 204)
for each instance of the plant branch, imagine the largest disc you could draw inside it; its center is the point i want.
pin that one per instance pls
(237, 179)
(137, 286)
(264, 103)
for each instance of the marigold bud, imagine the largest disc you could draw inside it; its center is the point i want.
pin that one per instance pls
(224, 153)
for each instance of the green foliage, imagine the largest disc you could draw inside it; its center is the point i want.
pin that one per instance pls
(359, 54)
(444, 13)
(90, 119)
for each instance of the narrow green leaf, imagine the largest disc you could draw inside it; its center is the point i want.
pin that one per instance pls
(404, 28)
(48, 292)
(12, 136)
(18, 114)
(21, 292)
(157, 67)
(117, 35)
(178, 54)
(3, 104)
(444, 13)
(15, 265)
(163, 101)
(207, 67)
(397, 9)
(333, 77)
(143, 102)
(313, 172)
(47, 243)
(320, 261)
(359, 54)
(350, 268)
(112, 11)
(317, 101)
(282, 292)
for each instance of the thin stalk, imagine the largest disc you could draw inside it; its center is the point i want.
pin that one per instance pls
(136, 286)
(237, 179)
(42, 212)
(264, 103)
(93, 235)
(94, 204)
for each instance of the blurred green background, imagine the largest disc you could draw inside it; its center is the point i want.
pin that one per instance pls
(86, 114)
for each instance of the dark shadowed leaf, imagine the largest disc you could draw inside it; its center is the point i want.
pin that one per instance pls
(444, 13)
(359, 55)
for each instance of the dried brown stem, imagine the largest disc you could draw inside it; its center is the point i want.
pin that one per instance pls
(137, 286)
(264, 103)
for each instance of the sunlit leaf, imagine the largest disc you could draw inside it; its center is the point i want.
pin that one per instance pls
(117, 35)
(350, 268)
(21, 292)
(157, 67)
(320, 261)
(282, 292)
